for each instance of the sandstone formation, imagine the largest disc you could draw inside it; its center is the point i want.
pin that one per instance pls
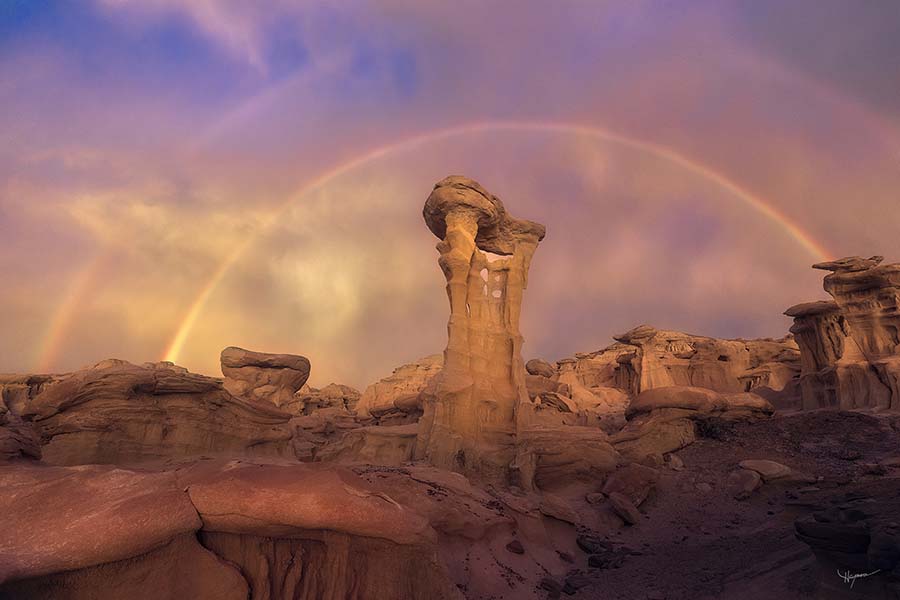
(645, 358)
(280, 531)
(274, 378)
(308, 400)
(471, 418)
(662, 420)
(117, 412)
(396, 399)
(850, 347)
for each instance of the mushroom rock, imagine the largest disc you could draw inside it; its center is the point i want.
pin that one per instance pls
(850, 347)
(274, 378)
(479, 400)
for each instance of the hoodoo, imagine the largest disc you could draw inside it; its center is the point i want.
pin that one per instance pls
(470, 417)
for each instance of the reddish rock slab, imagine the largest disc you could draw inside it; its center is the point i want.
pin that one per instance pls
(59, 519)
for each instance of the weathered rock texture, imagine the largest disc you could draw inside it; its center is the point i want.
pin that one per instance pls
(662, 420)
(117, 412)
(850, 347)
(470, 419)
(280, 531)
(397, 399)
(334, 395)
(646, 358)
(274, 378)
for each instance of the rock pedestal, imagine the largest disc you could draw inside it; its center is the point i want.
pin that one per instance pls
(471, 415)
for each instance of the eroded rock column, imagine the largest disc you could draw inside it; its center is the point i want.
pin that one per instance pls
(472, 413)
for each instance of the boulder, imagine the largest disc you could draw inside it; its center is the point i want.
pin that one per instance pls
(768, 469)
(625, 508)
(539, 367)
(633, 481)
(273, 378)
(743, 482)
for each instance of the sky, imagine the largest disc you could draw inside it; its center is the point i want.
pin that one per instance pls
(178, 176)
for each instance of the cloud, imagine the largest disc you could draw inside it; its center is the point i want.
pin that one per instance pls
(129, 145)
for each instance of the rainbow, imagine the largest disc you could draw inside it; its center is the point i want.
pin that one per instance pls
(82, 284)
(804, 239)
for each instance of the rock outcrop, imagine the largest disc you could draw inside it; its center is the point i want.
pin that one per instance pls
(850, 346)
(396, 399)
(472, 416)
(117, 412)
(662, 420)
(273, 378)
(334, 395)
(216, 531)
(645, 358)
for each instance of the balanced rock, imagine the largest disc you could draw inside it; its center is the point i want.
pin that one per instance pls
(274, 378)
(536, 366)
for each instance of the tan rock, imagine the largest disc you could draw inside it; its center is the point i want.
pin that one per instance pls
(623, 507)
(398, 394)
(121, 413)
(767, 469)
(380, 445)
(334, 395)
(849, 346)
(744, 482)
(536, 366)
(480, 400)
(273, 378)
(633, 481)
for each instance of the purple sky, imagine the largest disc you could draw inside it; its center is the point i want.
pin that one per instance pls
(688, 159)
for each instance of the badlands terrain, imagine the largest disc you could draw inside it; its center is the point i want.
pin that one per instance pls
(664, 466)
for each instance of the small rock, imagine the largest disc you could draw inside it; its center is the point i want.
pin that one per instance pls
(874, 469)
(595, 497)
(515, 547)
(556, 507)
(744, 482)
(606, 560)
(565, 557)
(576, 582)
(653, 461)
(768, 469)
(552, 586)
(623, 507)
(633, 481)
(592, 544)
(674, 462)
(704, 487)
